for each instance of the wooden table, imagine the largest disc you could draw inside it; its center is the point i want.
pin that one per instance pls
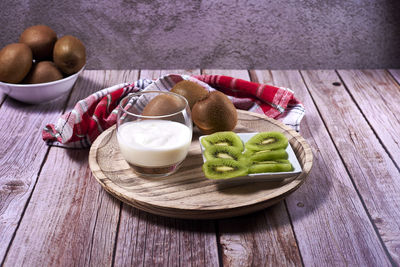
(347, 213)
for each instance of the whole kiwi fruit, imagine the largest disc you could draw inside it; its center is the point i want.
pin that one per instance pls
(192, 91)
(41, 39)
(214, 113)
(69, 54)
(163, 104)
(43, 72)
(15, 62)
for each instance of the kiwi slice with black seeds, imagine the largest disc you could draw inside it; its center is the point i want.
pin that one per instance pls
(224, 168)
(267, 141)
(222, 139)
(222, 152)
(279, 165)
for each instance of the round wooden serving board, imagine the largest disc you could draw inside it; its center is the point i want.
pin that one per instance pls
(188, 193)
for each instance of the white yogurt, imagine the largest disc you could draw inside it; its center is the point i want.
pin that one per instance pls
(154, 143)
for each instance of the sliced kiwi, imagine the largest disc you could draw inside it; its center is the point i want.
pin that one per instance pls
(279, 165)
(224, 168)
(267, 141)
(222, 152)
(222, 139)
(267, 154)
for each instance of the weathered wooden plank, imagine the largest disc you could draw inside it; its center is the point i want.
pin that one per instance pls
(377, 94)
(21, 154)
(70, 219)
(262, 238)
(155, 74)
(396, 74)
(372, 170)
(2, 98)
(330, 223)
(150, 240)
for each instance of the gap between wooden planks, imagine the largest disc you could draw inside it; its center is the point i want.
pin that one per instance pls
(157, 228)
(369, 143)
(22, 155)
(322, 218)
(262, 238)
(377, 94)
(81, 227)
(146, 239)
(58, 221)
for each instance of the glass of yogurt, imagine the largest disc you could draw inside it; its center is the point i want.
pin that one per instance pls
(154, 131)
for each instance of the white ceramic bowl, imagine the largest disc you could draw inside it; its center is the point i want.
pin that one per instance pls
(40, 92)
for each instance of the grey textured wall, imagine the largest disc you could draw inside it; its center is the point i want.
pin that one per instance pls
(154, 34)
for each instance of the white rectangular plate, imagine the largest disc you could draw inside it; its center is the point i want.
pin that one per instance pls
(266, 176)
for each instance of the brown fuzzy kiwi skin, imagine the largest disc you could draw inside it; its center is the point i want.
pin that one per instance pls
(43, 72)
(163, 105)
(41, 39)
(192, 91)
(214, 113)
(69, 54)
(15, 62)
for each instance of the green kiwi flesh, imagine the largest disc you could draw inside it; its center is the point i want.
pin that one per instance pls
(224, 168)
(267, 141)
(223, 152)
(267, 155)
(280, 165)
(222, 139)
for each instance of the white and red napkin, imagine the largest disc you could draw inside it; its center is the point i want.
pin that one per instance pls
(94, 114)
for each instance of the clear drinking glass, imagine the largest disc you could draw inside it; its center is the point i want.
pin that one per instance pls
(154, 138)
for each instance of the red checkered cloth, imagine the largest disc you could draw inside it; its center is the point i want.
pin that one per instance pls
(94, 114)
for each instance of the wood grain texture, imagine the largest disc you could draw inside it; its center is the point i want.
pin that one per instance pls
(155, 74)
(330, 223)
(70, 220)
(372, 170)
(187, 193)
(21, 154)
(146, 239)
(262, 238)
(2, 98)
(150, 240)
(396, 74)
(377, 95)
